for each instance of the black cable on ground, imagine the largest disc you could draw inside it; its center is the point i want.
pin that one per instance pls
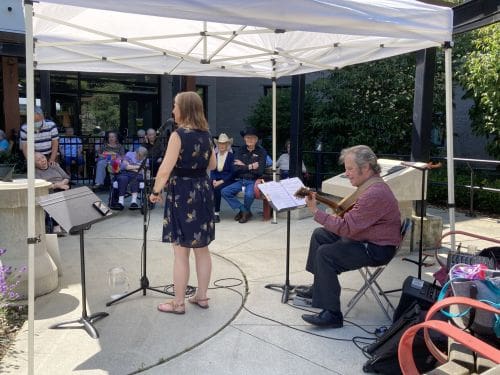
(190, 290)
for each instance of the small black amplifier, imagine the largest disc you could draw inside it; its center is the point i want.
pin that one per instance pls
(416, 290)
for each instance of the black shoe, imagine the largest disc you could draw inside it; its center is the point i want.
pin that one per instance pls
(238, 216)
(117, 206)
(134, 206)
(325, 318)
(304, 291)
(245, 216)
(216, 219)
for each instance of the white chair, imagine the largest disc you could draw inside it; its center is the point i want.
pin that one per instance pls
(370, 276)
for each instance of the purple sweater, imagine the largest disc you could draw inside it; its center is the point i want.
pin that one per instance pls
(374, 218)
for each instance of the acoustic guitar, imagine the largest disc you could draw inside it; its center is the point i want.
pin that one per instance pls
(337, 208)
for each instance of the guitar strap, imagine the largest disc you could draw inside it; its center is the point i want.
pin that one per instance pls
(347, 202)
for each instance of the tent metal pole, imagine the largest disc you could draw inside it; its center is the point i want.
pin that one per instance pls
(30, 114)
(449, 140)
(274, 221)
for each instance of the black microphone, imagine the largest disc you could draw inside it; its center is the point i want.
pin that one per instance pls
(167, 127)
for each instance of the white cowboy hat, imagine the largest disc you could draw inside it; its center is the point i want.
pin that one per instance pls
(223, 138)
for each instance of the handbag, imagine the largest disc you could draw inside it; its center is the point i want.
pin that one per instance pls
(479, 283)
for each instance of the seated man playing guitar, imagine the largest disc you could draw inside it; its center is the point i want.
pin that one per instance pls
(365, 233)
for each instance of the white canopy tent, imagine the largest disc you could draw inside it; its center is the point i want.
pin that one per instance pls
(259, 38)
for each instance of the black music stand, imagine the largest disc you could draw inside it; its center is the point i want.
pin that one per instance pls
(286, 288)
(76, 210)
(144, 281)
(283, 194)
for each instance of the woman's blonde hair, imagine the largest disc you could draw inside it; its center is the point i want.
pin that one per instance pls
(191, 111)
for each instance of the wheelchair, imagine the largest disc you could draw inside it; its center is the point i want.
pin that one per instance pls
(114, 194)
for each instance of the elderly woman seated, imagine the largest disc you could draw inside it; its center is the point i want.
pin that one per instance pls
(53, 174)
(131, 174)
(59, 180)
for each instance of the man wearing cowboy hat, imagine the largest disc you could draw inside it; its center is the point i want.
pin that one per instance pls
(249, 165)
(223, 174)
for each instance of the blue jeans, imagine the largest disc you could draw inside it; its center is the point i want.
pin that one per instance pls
(229, 194)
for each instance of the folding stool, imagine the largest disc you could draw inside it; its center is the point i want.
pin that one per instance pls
(370, 275)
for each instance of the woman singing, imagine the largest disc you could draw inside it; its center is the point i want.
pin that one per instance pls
(189, 202)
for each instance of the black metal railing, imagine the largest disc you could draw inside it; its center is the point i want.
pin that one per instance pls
(323, 165)
(474, 166)
(79, 155)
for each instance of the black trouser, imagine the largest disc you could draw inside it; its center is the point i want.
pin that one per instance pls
(218, 196)
(330, 255)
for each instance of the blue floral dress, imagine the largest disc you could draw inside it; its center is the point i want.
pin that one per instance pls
(189, 204)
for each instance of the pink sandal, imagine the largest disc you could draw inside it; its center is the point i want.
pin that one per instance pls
(172, 307)
(200, 302)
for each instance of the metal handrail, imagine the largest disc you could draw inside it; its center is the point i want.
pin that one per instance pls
(319, 157)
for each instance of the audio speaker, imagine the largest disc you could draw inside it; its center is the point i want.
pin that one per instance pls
(416, 290)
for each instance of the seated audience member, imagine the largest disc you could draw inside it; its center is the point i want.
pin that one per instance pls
(269, 161)
(4, 143)
(46, 137)
(249, 165)
(53, 174)
(139, 140)
(156, 150)
(222, 175)
(108, 154)
(366, 235)
(71, 149)
(283, 162)
(130, 176)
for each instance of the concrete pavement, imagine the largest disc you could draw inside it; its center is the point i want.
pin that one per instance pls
(246, 330)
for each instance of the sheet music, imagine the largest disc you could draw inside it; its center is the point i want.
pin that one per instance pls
(281, 194)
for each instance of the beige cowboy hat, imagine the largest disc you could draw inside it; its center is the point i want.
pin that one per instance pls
(223, 138)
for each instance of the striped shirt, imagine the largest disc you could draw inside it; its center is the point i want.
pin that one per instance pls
(43, 137)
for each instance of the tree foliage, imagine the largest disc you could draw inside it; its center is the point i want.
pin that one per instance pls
(370, 103)
(261, 117)
(102, 109)
(477, 56)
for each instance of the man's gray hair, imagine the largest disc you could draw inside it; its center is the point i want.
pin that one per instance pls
(39, 110)
(141, 133)
(363, 155)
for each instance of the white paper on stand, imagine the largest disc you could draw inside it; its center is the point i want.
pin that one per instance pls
(281, 194)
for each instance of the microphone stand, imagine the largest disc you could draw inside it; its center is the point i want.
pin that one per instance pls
(144, 281)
